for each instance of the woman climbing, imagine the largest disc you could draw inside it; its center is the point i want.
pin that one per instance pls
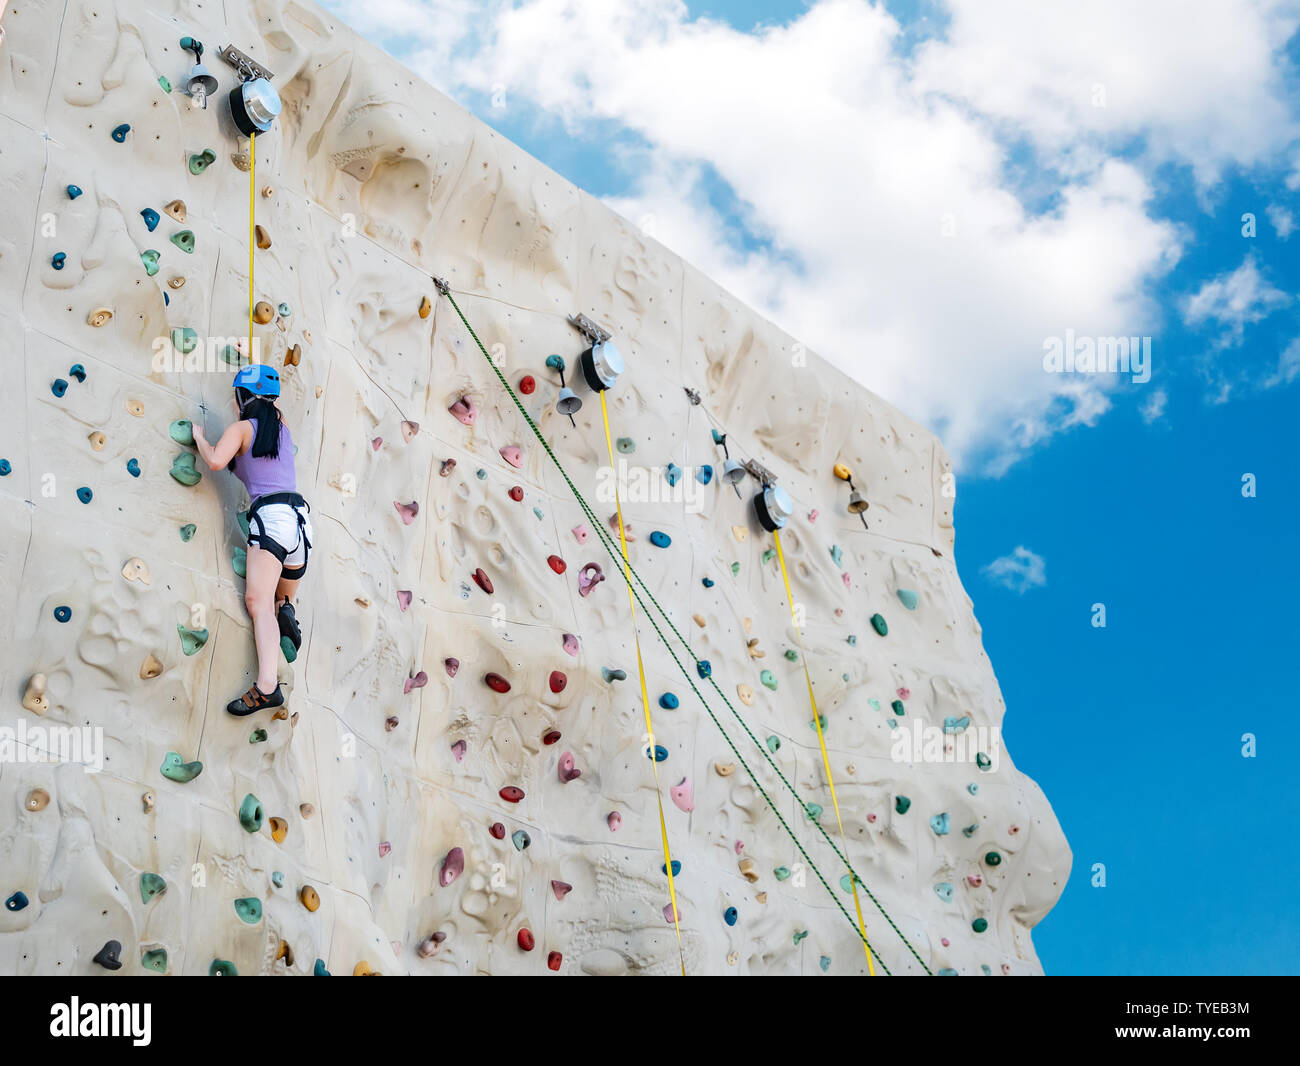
(259, 450)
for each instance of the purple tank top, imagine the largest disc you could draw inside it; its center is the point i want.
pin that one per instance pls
(266, 475)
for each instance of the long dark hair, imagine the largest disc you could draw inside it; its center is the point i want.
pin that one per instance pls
(266, 441)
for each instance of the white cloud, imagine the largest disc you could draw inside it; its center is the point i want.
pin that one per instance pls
(1020, 571)
(1232, 301)
(1288, 366)
(1282, 219)
(1154, 407)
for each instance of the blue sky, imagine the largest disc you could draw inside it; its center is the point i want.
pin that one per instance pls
(1096, 175)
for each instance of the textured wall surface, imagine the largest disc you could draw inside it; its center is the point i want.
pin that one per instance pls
(370, 182)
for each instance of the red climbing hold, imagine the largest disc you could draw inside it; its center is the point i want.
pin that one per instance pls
(418, 681)
(448, 465)
(553, 961)
(452, 666)
(550, 736)
(527, 384)
(526, 941)
(511, 793)
(516, 493)
(483, 581)
(558, 681)
(497, 830)
(557, 564)
(496, 682)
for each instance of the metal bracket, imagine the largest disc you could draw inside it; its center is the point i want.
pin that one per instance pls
(764, 475)
(248, 67)
(443, 288)
(693, 397)
(594, 333)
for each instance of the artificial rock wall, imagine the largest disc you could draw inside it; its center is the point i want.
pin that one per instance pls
(370, 183)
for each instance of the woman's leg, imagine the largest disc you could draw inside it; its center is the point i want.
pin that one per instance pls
(260, 599)
(286, 590)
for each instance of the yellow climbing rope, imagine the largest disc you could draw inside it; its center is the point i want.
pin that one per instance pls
(252, 235)
(645, 698)
(821, 739)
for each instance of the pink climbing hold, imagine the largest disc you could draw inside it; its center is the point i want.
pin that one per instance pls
(904, 693)
(453, 865)
(740, 846)
(669, 914)
(448, 465)
(403, 598)
(975, 880)
(464, 411)
(871, 817)
(377, 443)
(458, 750)
(943, 940)
(589, 577)
(384, 848)
(812, 515)
(581, 533)
(556, 563)
(613, 820)
(561, 888)
(568, 772)
(409, 430)
(627, 527)
(516, 493)
(390, 723)
(418, 681)
(848, 581)
(683, 795)
(483, 581)
(558, 681)
(512, 455)
(451, 666)
(571, 644)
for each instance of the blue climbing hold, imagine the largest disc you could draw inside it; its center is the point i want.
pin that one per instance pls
(319, 969)
(707, 582)
(150, 217)
(77, 371)
(481, 474)
(6, 468)
(612, 675)
(952, 724)
(837, 554)
(58, 259)
(84, 494)
(947, 972)
(555, 362)
(16, 902)
(59, 387)
(944, 891)
(730, 915)
(673, 473)
(660, 753)
(133, 467)
(277, 878)
(704, 474)
(677, 868)
(908, 599)
(74, 191)
(520, 839)
(939, 823)
(669, 701)
(825, 963)
(660, 540)
(972, 788)
(704, 668)
(718, 438)
(62, 614)
(120, 132)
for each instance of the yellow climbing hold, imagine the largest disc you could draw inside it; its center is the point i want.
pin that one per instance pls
(37, 800)
(747, 868)
(136, 569)
(309, 897)
(425, 307)
(279, 830)
(739, 532)
(176, 282)
(97, 441)
(263, 312)
(135, 408)
(34, 698)
(263, 238)
(99, 316)
(842, 472)
(746, 695)
(151, 667)
(176, 208)
(724, 769)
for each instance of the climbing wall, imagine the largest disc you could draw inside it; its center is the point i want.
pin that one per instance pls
(461, 783)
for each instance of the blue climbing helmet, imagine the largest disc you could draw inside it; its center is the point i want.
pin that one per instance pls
(259, 379)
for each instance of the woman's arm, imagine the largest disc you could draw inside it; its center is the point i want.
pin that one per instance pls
(233, 442)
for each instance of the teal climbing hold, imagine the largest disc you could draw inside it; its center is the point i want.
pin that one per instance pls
(59, 387)
(74, 191)
(150, 217)
(837, 554)
(853, 638)
(660, 753)
(287, 649)
(182, 432)
(907, 598)
(677, 868)
(222, 968)
(735, 569)
(202, 160)
(155, 960)
(277, 878)
(184, 471)
(175, 769)
(669, 701)
(149, 257)
(249, 909)
(982, 760)
(164, 83)
(184, 240)
(993, 858)
(625, 445)
(539, 513)
(939, 823)
(800, 935)
(612, 675)
(58, 259)
(151, 885)
(901, 804)
(944, 891)
(120, 132)
(769, 555)
(947, 972)
(660, 540)
(979, 924)
(972, 788)
(16, 902)
(874, 703)
(250, 813)
(77, 371)
(970, 830)
(257, 736)
(898, 707)
(792, 655)
(730, 915)
(188, 530)
(319, 969)
(707, 582)
(718, 438)
(814, 811)
(555, 362)
(6, 468)
(878, 624)
(768, 679)
(241, 517)
(892, 723)
(62, 614)
(704, 668)
(825, 963)
(773, 743)
(481, 474)
(232, 355)
(185, 339)
(985, 967)
(673, 473)
(239, 562)
(191, 639)
(133, 467)
(520, 839)
(782, 873)
(283, 310)
(846, 882)
(819, 721)
(952, 724)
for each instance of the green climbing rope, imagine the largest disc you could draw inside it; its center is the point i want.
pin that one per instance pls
(606, 541)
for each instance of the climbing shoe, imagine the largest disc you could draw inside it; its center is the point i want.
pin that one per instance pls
(255, 700)
(289, 624)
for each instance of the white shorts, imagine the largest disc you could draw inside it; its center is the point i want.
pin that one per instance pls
(285, 532)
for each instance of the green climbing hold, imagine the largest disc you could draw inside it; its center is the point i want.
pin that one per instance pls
(907, 598)
(735, 569)
(200, 162)
(149, 257)
(249, 910)
(873, 702)
(853, 639)
(782, 873)
(878, 624)
(792, 655)
(898, 707)
(185, 339)
(800, 935)
(980, 924)
(257, 736)
(277, 878)
(819, 721)
(769, 555)
(191, 639)
(773, 743)
(182, 432)
(165, 83)
(825, 963)
(239, 562)
(250, 813)
(814, 811)
(982, 760)
(175, 769)
(184, 471)
(972, 788)
(231, 355)
(993, 858)
(241, 517)
(901, 804)
(626, 445)
(287, 649)
(222, 968)
(769, 679)
(184, 240)
(155, 960)
(151, 885)
(188, 530)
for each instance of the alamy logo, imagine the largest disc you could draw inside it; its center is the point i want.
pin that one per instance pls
(652, 484)
(1098, 355)
(102, 1019)
(56, 743)
(957, 741)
